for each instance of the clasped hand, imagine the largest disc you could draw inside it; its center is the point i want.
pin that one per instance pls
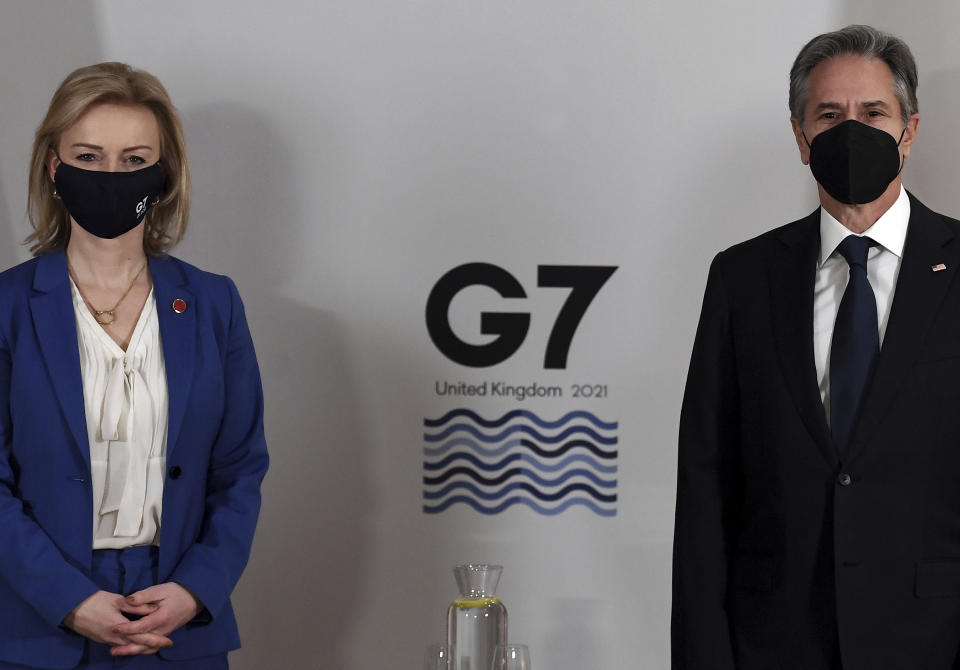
(163, 609)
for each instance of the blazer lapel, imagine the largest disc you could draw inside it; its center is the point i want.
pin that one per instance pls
(51, 308)
(916, 302)
(792, 277)
(178, 331)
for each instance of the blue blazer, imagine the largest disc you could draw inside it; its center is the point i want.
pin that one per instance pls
(216, 458)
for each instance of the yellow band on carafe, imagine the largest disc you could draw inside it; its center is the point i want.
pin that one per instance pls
(474, 602)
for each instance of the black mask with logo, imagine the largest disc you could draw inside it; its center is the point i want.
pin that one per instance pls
(854, 162)
(108, 204)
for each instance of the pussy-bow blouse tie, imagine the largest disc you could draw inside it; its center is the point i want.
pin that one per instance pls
(125, 423)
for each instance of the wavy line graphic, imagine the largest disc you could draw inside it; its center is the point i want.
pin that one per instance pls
(519, 462)
(478, 448)
(474, 445)
(518, 500)
(518, 472)
(526, 458)
(560, 437)
(526, 414)
(537, 493)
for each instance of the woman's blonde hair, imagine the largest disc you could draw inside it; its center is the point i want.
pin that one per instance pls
(117, 83)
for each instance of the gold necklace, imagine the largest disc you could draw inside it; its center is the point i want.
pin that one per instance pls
(98, 314)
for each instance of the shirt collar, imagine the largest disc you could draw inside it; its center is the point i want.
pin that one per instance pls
(889, 231)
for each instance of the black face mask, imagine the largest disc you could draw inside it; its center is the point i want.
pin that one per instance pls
(854, 162)
(108, 204)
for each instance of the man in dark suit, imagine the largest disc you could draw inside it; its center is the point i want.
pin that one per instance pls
(818, 496)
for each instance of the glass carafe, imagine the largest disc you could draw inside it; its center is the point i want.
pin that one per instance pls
(477, 620)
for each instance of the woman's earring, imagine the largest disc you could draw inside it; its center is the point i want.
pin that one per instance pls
(56, 196)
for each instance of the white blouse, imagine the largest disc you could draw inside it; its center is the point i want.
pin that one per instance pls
(125, 396)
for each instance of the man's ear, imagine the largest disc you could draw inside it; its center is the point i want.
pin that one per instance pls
(909, 134)
(801, 142)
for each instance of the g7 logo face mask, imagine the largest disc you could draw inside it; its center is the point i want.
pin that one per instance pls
(108, 204)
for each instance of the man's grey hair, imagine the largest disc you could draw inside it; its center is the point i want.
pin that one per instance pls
(860, 41)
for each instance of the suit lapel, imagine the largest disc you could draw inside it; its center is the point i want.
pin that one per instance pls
(54, 321)
(178, 333)
(792, 278)
(916, 302)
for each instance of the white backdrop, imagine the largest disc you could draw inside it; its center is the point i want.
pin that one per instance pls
(347, 154)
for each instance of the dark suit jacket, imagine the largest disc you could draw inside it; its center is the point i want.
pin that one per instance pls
(784, 552)
(216, 458)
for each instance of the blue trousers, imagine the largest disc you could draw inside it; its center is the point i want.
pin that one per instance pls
(125, 571)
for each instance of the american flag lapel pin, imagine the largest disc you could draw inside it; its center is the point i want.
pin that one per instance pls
(938, 267)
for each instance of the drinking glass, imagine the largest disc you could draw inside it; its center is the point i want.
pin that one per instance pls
(438, 657)
(511, 657)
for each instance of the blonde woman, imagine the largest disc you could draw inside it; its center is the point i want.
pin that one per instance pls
(131, 431)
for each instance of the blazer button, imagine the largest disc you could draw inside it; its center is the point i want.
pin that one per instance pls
(175, 472)
(844, 479)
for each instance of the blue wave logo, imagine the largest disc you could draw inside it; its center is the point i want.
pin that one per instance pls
(520, 459)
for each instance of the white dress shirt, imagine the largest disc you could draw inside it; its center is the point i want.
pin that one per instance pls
(125, 397)
(833, 272)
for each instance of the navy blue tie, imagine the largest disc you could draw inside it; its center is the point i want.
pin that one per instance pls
(856, 341)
